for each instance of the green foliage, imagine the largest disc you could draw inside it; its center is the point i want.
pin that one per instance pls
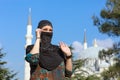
(113, 71)
(108, 53)
(109, 23)
(5, 73)
(93, 77)
(80, 76)
(78, 64)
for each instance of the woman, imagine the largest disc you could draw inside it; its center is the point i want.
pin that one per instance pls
(47, 61)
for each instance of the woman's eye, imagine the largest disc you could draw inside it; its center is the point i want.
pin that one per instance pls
(48, 30)
(51, 30)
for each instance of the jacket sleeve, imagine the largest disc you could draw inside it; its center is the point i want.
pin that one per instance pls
(31, 58)
(68, 73)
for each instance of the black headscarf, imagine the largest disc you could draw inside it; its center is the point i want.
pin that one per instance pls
(43, 23)
(50, 56)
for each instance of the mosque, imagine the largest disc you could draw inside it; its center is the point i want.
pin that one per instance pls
(92, 65)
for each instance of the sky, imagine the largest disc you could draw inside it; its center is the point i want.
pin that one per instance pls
(69, 18)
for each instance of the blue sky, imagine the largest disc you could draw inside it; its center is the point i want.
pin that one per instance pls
(69, 18)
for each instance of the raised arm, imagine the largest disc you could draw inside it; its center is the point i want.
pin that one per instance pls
(36, 46)
(32, 51)
(67, 52)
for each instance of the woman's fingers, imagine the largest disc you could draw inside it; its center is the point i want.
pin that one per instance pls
(65, 48)
(38, 32)
(62, 44)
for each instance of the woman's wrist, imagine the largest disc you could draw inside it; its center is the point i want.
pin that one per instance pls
(69, 56)
(38, 37)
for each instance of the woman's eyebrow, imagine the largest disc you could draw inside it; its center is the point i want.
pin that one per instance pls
(45, 29)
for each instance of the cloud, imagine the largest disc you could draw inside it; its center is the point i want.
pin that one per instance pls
(107, 43)
(77, 47)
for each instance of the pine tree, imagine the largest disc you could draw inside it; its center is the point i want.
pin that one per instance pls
(5, 73)
(109, 23)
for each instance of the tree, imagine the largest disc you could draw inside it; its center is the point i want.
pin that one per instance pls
(109, 23)
(5, 73)
(114, 70)
(80, 74)
(93, 77)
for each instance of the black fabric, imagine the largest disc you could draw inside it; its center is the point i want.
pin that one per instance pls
(43, 23)
(68, 73)
(29, 48)
(50, 55)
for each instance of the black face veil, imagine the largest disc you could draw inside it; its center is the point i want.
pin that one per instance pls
(50, 56)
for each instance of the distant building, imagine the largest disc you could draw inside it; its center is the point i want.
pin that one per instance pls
(28, 38)
(93, 64)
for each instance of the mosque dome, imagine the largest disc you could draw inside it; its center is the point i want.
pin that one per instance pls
(91, 52)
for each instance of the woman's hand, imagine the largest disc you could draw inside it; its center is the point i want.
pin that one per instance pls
(67, 52)
(36, 46)
(65, 48)
(38, 33)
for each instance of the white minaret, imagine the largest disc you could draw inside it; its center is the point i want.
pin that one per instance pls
(85, 40)
(95, 43)
(28, 37)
